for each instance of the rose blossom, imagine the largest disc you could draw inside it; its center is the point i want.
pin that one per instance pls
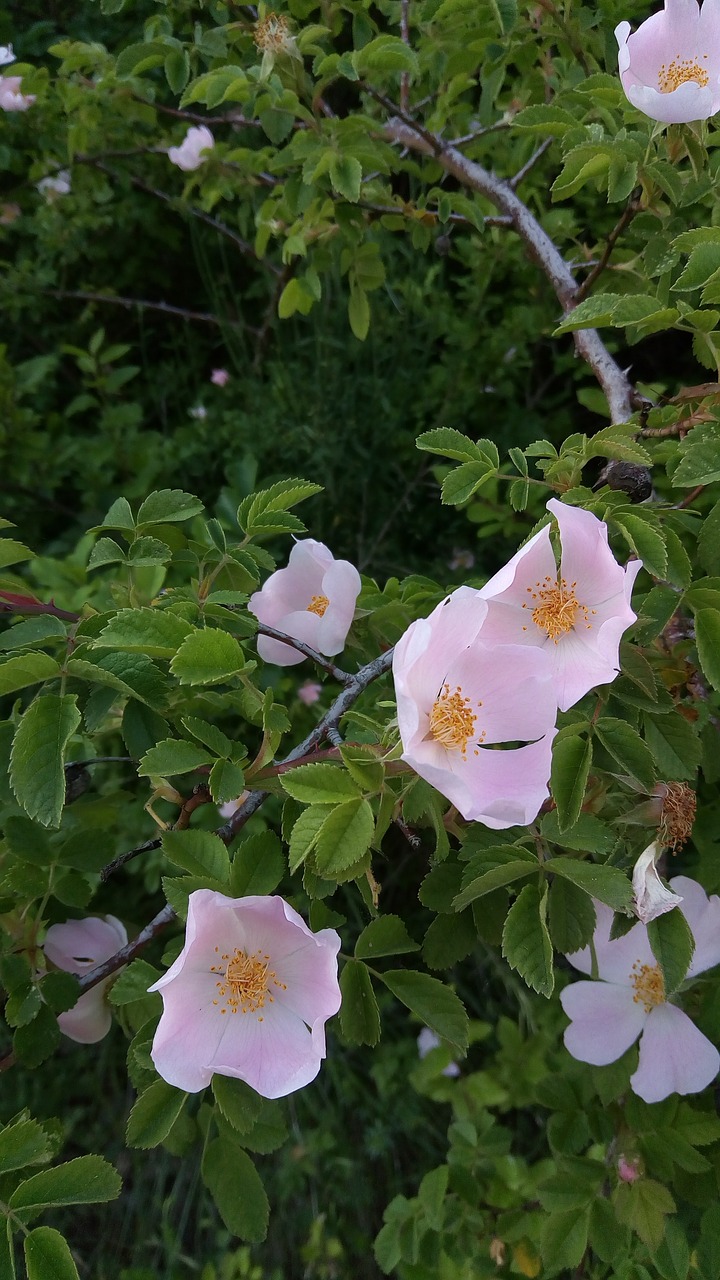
(309, 692)
(630, 1001)
(312, 599)
(247, 997)
(577, 615)
(650, 897)
(670, 67)
(219, 377)
(457, 695)
(192, 152)
(11, 99)
(77, 947)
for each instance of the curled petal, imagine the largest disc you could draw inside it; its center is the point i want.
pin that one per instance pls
(650, 897)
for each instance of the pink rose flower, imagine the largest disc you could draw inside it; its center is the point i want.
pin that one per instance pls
(248, 996)
(309, 692)
(630, 1001)
(670, 67)
(577, 615)
(11, 99)
(312, 599)
(193, 150)
(628, 1170)
(220, 377)
(457, 695)
(77, 947)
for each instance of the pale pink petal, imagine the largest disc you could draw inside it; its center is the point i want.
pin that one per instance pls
(274, 1057)
(703, 915)
(507, 788)
(286, 601)
(510, 688)
(192, 152)
(615, 959)
(79, 945)
(680, 33)
(189, 1031)
(605, 1021)
(532, 563)
(650, 897)
(341, 585)
(90, 1019)
(674, 1056)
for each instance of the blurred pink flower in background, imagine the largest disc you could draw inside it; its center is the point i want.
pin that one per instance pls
(77, 947)
(312, 599)
(11, 99)
(426, 1042)
(220, 377)
(9, 213)
(6, 55)
(457, 695)
(461, 559)
(607, 1016)
(230, 807)
(628, 1170)
(309, 692)
(670, 67)
(577, 615)
(199, 412)
(192, 152)
(58, 184)
(248, 996)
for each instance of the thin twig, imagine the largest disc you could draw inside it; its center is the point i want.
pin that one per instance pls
(529, 165)
(201, 795)
(690, 497)
(128, 952)
(405, 37)
(417, 215)
(201, 317)
(631, 208)
(344, 677)
(575, 46)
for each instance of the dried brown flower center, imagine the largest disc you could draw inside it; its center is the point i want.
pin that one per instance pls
(555, 607)
(318, 605)
(649, 985)
(272, 33)
(452, 720)
(245, 982)
(678, 814)
(678, 72)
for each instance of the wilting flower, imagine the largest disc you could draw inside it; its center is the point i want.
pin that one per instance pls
(426, 1042)
(193, 150)
(457, 695)
(77, 947)
(312, 599)
(630, 1001)
(58, 184)
(272, 36)
(650, 897)
(219, 377)
(670, 67)
(309, 692)
(11, 99)
(6, 55)
(628, 1169)
(577, 615)
(248, 996)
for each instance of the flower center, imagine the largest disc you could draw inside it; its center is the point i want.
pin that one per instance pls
(649, 985)
(675, 73)
(452, 720)
(318, 605)
(272, 33)
(245, 983)
(555, 607)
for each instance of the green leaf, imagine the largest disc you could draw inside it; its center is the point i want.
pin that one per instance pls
(449, 939)
(546, 120)
(675, 746)
(22, 1142)
(359, 1016)
(198, 852)
(607, 884)
(168, 505)
(303, 837)
(12, 552)
(672, 944)
(319, 784)
(33, 631)
(708, 547)
(526, 941)
(625, 744)
(119, 516)
(386, 53)
(258, 866)
(588, 834)
(26, 669)
(363, 766)
(106, 551)
(208, 657)
(571, 760)
(240, 1105)
(386, 936)
(153, 1115)
(564, 1240)
(707, 637)
(48, 1256)
(86, 1180)
(131, 674)
(571, 916)
(146, 552)
(37, 760)
(151, 631)
(171, 757)
(346, 176)
(132, 983)
(235, 1186)
(344, 837)
(278, 498)
(450, 443)
(496, 866)
(432, 1002)
(643, 1206)
(464, 481)
(210, 736)
(647, 541)
(227, 781)
(359, 313)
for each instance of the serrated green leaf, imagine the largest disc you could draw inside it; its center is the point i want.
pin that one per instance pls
(132, 983)
(526, 940)
(22, 1142)
(346, 176)
(627, 747)
(258, 865)
(210, 736)
(386, 936)
(106, 551)
(153, 1115)
(647, 541)
(675, 746)
(359, 1016)
(672, 944)
(235, 1186)
(156, 633)
(571, 760)
(12, 552)
(200, 853)
(449, 443)
(48, 1256)
(432, 1002)
(32, 631)
(607, 884)
(37, 760)
(571, 916)
(227, 781)
(25, 669)
(240, 1105)
(167, 506)
(304, 834)
(172, 757)
(359, 313)
(492, 869)
(86, 1180)
(707, 638)
(465, 480)
(344, 837)
(209, 656)
(319, 784)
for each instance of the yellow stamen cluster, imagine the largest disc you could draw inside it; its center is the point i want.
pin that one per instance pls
(555, 607)
(452, 720)
(318, 605)
(245, 983)
(649, 985)
(678, 814)
(272, 34)
(670, 77)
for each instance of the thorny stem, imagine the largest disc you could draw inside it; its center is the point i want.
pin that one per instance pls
(632, 207)
(201, 317)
